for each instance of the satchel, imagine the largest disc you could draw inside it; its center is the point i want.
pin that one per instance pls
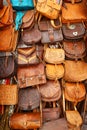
(50, 34)
(7, 65)
(28, 98)
(49, 8)
(30, 55)
(54, 72)
(1, 4)
(8, 94)
(25, 121)
(31, 75)
(75, 71)
(22, 5)
(50, 91)
(74, 49)
(73, 31)
(74, 9)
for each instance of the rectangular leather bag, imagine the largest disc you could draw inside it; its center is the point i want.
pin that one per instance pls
(25, 121)
(30, 55)
(48, 33)
(74, 9)
(31, 75)
(8, 94)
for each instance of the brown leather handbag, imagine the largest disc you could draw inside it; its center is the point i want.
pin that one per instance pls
(1, 4)
(25, 121)
(49, 34)
(50, 91)
(69, 14)
(73, 31)
(75, 71)
(28, 98)
(30, 55)
(7, 65)
(31, 75)
(8, 94)
(74, 49)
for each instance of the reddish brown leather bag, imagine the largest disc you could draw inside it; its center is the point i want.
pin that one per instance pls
(25, 121)
(28, 98)
(1, 4)
(31, 75)
(74, 49)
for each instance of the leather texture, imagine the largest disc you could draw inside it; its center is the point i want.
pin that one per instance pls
(30, 55)
(48, 8)
(31, 75)
(8, 94)
(75, 71)
(25, 120)
(73, 31)
(49, 34)
(22, 5)
(73, 1)
(1, 4)
(74, 49)
(28, 98)
(50, 91)
(74, 9)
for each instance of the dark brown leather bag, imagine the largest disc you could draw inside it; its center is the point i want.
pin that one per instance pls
(49, 33)
(73, 31)
(31, 75)
(25, 121)
(1, 4)
(7, 65)
(30, 55)
(28, 98)
(74, 49)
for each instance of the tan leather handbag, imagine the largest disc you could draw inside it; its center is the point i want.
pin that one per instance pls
(75, 71)
(54, 72)
(49, 8)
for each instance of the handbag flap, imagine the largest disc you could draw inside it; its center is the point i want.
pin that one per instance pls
(55, 4)
(29, 98)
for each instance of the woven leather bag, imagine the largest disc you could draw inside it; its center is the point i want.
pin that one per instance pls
(74, 9)
(30, 120)
(74, 92)
(8, 94)
(73, 1)
(73, 31)
(54, 55)
(31, 75)
(28, 98)
(75, 71)
(1, 4)
(49, 8)
(74, 49)
(7, 65)
(6, 15)
(54, 72)
(50, 34)
(8, 39)
(30, 55)
(50, 91)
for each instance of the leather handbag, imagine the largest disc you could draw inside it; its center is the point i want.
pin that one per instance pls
(8, 94)
(30, 120)
(6, 15)
(31, 75)
(50, 91)
(54, 72)
(7, 65)
(1, 4)
(22, 5)
(49, 34)
(75, 71)
(8, 39)
(73, 1)
(74, 49)
(74, 9)
(54, 55)
(28, 98)
(73, 31)
(31, 36)
(74, 92)
(49, 8)
(30, 55)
